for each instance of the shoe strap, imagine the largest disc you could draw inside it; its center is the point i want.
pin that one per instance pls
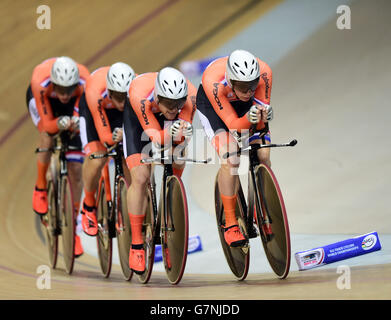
(88, 208)
(41, 190)
(137, 246)
(227, 228)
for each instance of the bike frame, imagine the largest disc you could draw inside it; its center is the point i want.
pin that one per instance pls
(114, 152)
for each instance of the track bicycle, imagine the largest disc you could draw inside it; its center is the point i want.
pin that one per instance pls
(112, 214)
(168, 223)
(61, 216)
(263, 214)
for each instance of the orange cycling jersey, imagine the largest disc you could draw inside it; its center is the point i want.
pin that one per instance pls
(142, 100)
(98, 102)
(220, 93)
(42, 90)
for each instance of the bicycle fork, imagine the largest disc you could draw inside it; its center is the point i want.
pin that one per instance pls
(259, 203)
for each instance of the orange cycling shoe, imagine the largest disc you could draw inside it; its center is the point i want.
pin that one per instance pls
(137, 258)
(78, 247)
(234, 237)
(88, 220)
(40, 201)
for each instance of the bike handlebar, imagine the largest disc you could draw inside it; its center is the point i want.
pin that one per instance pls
(109, 153)
(160, 160)
(257, 146)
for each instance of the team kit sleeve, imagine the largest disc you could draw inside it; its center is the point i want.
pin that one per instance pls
(84, 74)
(189, 108)
(48, 122)
(215, 92)
(262, 94)
(143, 109)
(95, 103)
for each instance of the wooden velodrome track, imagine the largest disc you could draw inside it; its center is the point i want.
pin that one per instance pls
(149, 35)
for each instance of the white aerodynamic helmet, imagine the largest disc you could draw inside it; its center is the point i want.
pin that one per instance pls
(242, 66)
(64, 72)
(119, 77)
(171, 83)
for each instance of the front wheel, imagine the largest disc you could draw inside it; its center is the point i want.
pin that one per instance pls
(174, 229)
(238, 258)
(68, 225)
(272, 221)
(50, 221)
(103, 239)
(124, 234)
(148, 236)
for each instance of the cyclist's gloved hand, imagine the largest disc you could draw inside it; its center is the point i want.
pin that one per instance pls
(187, 129)
(75, 123)
(269, 111)
(175, 128)
(181, 128)
(117, 134)
(254, 114)
(64, 122)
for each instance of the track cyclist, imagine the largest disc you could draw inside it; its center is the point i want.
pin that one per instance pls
(101, 116)
(162, 107)
(234, 94)
(52, 100)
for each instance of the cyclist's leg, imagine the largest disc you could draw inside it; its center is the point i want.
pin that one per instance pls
(224, 142)
(264, 153)
(40, 204)
(115, 118)
(179, 150)
(75, 159)
(91, 145)
(91, 169)
(136, 146)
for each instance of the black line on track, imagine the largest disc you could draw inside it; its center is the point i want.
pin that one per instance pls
(250, 5)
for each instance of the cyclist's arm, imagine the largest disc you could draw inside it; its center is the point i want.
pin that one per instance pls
(263, 92)
(96, 104)
(224, 109)
(148, 121)
(188, 110)
(49, 123)
(76, 106)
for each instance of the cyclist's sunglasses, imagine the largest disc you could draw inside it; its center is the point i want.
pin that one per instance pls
(118, 96)
(172, 104)
(64, 90)
(245, 86)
